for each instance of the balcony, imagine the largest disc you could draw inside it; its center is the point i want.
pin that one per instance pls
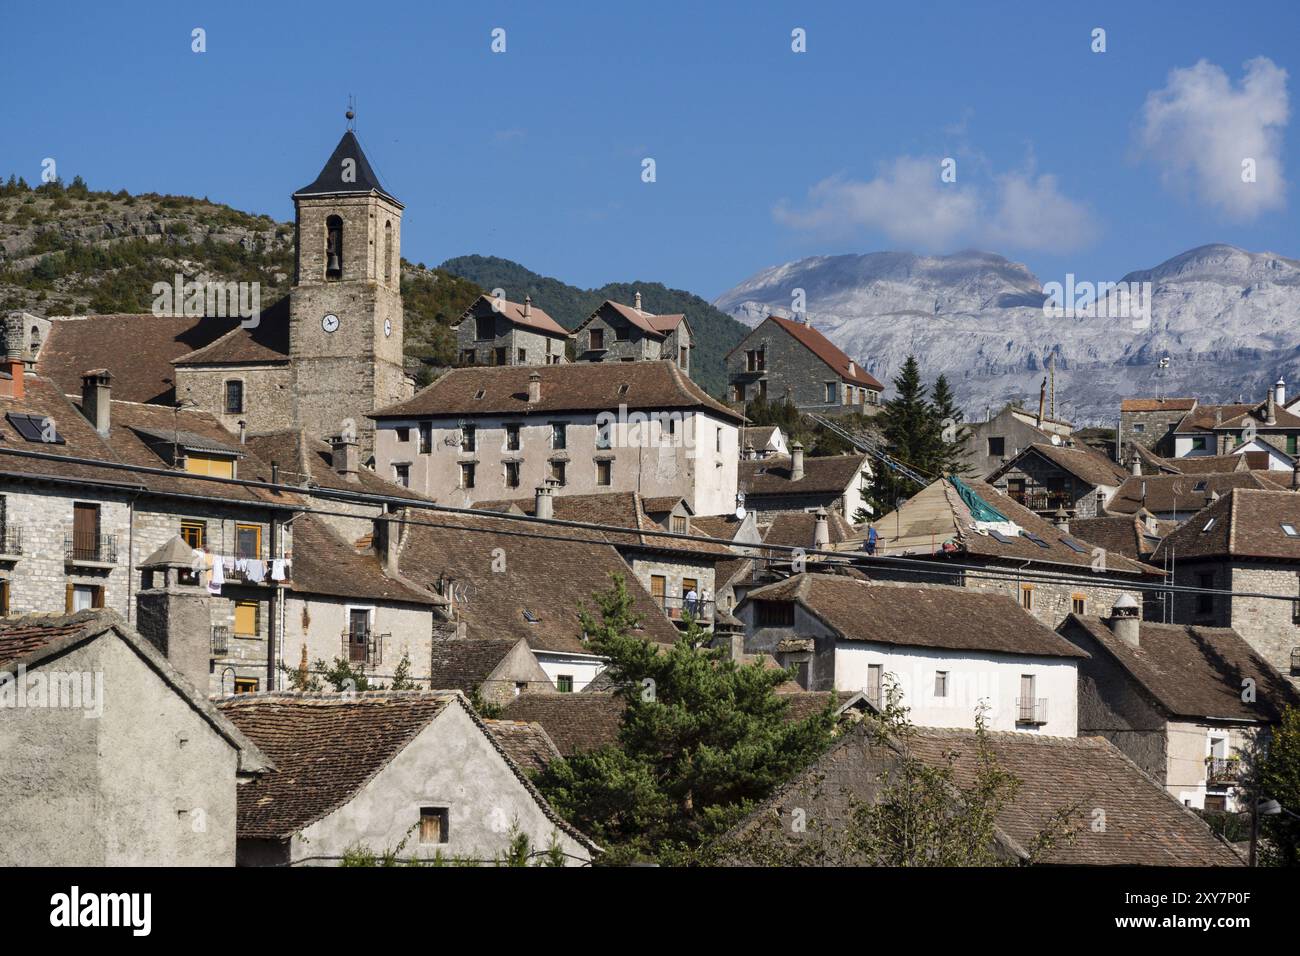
(678, 608)
(92, 550)
(1042, 500)
(1222, 770)
(220, 640)
(1031, 711)
(11, 543)
(364, 647)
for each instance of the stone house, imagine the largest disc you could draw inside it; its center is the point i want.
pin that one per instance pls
(496, 671)
(1187, 704)
(797, 483)
(993, 543)
(1047, 478)
(1064, 783)
(112, 758)
(763, 441)
(1266, 432)
(990, 444)
(1247, 543)
(492, 433)
(496, 331)
(784, 359)
(948, 650)
(1150, 422)
(1177, 497)
(381, 770)
(622, 333)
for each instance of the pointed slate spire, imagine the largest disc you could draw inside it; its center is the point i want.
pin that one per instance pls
(330, 182)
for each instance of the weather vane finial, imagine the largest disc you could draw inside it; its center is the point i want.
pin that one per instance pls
(351, 114)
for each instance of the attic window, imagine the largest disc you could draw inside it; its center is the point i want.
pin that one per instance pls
(1290, 531)
(530, 617)
(37, 428)
(1199, 486)
(622, 389)
(999, 536)
(480, 393)
(1074, 546)
(1036, 539)
(1208, 525)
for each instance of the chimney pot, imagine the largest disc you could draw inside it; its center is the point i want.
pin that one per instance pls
(1125, 620)
(1279, 391)
(345, 457)
(796, 462)
(388, 531)
(528, 306)
(1062, 520)
(821, 531)
(544, 501)
(534, 387)
(638, 301)
(96, 398)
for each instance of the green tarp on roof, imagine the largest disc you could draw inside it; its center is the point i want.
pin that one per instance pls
(980, 509)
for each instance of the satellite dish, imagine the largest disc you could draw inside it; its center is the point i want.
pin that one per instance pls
(740, 512)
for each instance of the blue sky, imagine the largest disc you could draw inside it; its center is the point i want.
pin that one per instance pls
(1067, 160)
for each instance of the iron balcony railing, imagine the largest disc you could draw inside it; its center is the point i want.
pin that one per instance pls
(677, 608)
(1031, 710)
(1042, 500)
(220, 639)
(364, 647)
(11, 540)
(80, 546)
(1222, 769)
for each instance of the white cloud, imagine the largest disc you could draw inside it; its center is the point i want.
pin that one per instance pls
(1200, 127)
(910, 204)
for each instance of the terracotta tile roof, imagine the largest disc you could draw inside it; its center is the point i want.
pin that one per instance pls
(140, 373)
(1256, 415)
(546, 574)
(575, 722)
(570, 387)
(1192, 672)
(303, 456)
(1247, 523)
(465, 665)
(265, 344)
(1203, 418)
(803, 704)
(1145, 826)
(513, 312)
(822, 347)
(918, 615)
(1157, 404)
(527, 743)
(1206, 464)
(831, 474)
(1086, 464)
(660, 503)
(323, 563)
(656, 326)
(797, 529)
(717, 526)
(758, 436)
(1121, 534)
(20, 636)
(1181, 493)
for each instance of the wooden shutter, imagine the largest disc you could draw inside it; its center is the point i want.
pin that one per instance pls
(67, 599)
(97, 599)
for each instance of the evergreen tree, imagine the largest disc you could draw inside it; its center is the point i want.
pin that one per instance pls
(952, 430)
(912, 434)
(1279, 779)
(702, 738)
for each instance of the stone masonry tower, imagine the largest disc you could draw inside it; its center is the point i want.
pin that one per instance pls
(345, 309)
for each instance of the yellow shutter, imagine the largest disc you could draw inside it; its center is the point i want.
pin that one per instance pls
(246, 617)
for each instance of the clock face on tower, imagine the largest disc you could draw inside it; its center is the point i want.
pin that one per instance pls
(388, 327)
(330, 322)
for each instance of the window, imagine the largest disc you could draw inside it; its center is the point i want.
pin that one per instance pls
(467, 357)
(246, 618)
(388, 252)
(209, 465)
(246, 685)
(521, 356)
(832, 390)
(1139, 427)
(402, 474)
(1291, 444)
(682, 354)
(469, 438)
(755, 360)
(194, 533)
(1208, 525)
(1289, 530)
(426, 437)
(4, 598)
(622, 333)
(499, 356)
(559, 435)
(248, 540)
(717, 440)
(738, 393)
(596, 340)
(604, 472)
(333, 248)
(774, 613)
(564, 683)
(678, 524)
(484, 328)
(557, 472)
(874, 674)
(1198, 443)
(1027, 711)
(1205, 602)
(1027, 596)
(997, 446)
(530, 617)
(433, 825)
(467, 474)
(234, 397)
(403, 434)
(85, 532)
(659, 589)
(940, 683)
(512, 474)
(512, 438)
(39, 428)
(1079, 604)
(81, 597)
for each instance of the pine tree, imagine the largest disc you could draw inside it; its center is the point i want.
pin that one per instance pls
(912, 434)
(1279, 779)
(952, 431)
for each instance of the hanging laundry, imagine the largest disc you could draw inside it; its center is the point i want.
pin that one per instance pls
(218, 576)
(256, 571)
(277, 569)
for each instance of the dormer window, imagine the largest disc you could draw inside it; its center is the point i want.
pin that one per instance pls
(334, 248)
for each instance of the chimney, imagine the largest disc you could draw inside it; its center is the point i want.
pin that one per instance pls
(1134, 463)
(851, 372)
(821, 531)
(544, 503)
(534, 387)
(638, 301)
(1279, 391)
(528, 306)
(1270, 414)
(1125, 621)
(1061, 520)
(388, 535)
(1295, 476)
(345, 457)
(96, 396)
(243, 430)
(796, 462)
(807, 321)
